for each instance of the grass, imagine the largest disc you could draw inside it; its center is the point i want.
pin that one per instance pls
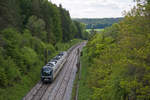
(74, 87)
(98, 30)
(84, 90)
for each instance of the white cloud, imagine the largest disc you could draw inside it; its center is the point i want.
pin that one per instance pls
(95, 8)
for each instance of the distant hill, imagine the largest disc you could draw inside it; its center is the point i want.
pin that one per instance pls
(98, 23)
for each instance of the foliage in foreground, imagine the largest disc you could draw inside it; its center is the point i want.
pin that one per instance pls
(119, 58)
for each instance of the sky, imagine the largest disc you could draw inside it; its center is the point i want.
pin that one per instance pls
(95, 8)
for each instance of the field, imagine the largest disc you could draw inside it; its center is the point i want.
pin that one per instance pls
(98, 30)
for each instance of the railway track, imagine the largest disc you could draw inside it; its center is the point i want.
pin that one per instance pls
(40, 92)
(62, 85)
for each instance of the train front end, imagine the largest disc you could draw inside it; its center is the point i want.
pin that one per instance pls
(47, 74)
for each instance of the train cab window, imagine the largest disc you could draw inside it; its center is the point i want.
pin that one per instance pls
(61, 54)
(46, 71)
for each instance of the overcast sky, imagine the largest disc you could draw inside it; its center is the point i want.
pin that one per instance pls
(95, 8)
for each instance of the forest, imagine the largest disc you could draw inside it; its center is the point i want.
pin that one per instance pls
(116, 62)
(31, 33)
(98, 23)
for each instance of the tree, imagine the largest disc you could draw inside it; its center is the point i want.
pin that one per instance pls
(10, 14)
(37, 27)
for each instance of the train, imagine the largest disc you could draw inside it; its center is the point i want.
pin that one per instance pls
(52, 68)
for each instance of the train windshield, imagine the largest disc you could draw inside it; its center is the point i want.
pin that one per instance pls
(61, 54)
(46, 71)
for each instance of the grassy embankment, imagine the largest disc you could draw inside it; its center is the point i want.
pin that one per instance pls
(84, 91)
(19, 90)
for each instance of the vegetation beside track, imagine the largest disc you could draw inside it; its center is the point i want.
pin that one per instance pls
(84, 91)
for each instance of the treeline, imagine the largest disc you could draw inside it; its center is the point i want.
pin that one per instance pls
(44, 19)
(31, 32)
(119, 58)
(98, 23)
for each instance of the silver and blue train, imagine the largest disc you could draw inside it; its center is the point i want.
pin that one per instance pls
(52, 68)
